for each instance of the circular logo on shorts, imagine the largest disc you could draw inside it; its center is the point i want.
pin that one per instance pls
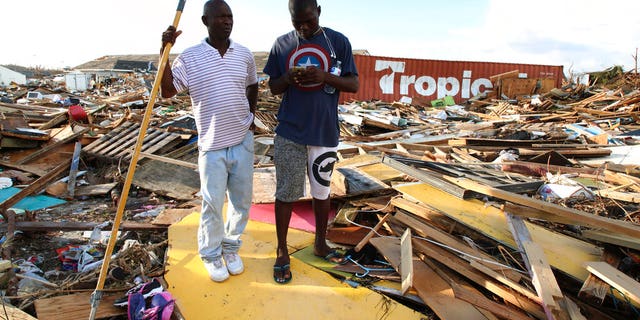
(323, 167)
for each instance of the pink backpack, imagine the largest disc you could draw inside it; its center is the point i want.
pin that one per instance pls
(161, 307)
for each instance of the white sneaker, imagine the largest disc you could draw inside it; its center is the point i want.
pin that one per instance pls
(234, 263)
(217, 270)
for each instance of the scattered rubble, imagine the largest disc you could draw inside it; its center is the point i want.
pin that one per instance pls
(513, 198)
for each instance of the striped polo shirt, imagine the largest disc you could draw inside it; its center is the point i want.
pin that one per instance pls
(217, 86)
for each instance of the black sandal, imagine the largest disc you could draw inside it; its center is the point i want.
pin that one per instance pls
(282, 270)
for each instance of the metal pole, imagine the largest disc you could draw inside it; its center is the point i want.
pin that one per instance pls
(96, 296)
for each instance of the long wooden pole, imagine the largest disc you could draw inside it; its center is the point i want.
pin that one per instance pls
(97, 294)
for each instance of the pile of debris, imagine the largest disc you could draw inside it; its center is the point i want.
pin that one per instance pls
(508, 206)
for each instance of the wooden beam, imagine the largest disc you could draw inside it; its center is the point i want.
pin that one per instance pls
(167, 160)
(406, 261)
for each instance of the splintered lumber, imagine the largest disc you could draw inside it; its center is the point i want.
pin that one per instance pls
(432, 289)
(563, 252)
(406, 261)
(580, 217)
(625, 284)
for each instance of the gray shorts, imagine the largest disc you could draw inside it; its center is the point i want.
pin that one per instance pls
(295, 163)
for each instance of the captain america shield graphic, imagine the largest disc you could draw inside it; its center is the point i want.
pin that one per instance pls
(310, 55)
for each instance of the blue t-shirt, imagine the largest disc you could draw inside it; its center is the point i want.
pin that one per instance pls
(308, 115)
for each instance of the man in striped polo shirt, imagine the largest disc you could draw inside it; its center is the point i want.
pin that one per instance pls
(220, 76)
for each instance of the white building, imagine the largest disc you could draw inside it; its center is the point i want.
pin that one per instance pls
(7, 76)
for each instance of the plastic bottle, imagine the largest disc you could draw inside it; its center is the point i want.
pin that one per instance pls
(335, 70)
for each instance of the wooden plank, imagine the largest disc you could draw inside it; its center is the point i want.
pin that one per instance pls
(358, 182)
(172, 215)
(461, 265)
(77, 306)
(185, 164)
(36, 170)
(617, 239)
(614, 277)
(406, 261)
(155, 146)
(542, 277)
(506, 281)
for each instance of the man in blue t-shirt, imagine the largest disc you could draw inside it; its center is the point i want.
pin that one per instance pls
(309, 66)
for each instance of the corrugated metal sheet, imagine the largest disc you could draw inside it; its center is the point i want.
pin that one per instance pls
(389, 79)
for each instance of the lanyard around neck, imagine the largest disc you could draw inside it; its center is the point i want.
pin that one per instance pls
(331, 51)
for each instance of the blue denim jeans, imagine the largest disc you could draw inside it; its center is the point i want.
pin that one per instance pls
(225, 172)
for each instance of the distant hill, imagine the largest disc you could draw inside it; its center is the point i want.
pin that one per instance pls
(31, 72)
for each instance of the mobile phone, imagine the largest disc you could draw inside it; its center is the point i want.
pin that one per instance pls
(298, 69)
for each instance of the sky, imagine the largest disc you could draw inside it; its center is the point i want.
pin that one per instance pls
(580, 35)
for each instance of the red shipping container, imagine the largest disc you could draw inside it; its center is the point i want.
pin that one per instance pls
(389, 79)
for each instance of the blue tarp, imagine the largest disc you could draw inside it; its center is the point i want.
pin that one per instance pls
(30, 203)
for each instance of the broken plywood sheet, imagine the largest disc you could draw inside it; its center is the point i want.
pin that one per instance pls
(564, 253)
(168, 179)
